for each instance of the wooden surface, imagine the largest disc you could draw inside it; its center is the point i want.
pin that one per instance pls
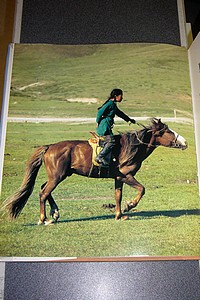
(7, 11)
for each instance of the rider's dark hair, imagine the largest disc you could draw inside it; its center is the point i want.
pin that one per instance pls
(114, 93)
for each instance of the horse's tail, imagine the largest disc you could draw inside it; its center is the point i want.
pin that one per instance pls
(15, 203)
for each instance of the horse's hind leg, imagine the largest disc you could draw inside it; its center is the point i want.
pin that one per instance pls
(45, 194)
(54, 211)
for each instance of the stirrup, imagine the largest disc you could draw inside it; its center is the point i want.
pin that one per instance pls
(102, 161)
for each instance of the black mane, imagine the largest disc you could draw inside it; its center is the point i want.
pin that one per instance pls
(134, 143)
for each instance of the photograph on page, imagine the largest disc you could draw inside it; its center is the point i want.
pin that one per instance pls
(100, 156)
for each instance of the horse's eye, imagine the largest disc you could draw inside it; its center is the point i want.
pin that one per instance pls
(167, 129)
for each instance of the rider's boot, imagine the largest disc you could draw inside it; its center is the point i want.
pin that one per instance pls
(100, 159)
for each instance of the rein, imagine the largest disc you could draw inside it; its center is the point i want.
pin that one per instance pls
(150, 144)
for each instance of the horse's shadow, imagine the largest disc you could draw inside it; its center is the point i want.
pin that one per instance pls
(138, 214)
(141, 214)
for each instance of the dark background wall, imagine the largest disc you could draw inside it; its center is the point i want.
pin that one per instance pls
(104, 21)
(100, 21)
(192, 9)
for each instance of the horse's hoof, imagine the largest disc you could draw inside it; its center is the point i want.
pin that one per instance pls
(118, 217)
(55, 214)
(40, 222)
(46, 222)
(127, 207)
(49, 222)
(125, 218)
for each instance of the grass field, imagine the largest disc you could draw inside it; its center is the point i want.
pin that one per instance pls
(166, 221)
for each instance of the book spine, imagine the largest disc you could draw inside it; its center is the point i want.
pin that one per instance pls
(5, 105)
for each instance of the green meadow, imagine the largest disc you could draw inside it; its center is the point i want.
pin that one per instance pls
(154, 78)
(155, 81)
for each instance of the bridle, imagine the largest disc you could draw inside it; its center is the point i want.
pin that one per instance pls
(153, 138)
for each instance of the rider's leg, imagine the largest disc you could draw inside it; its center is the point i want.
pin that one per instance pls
(109, 143)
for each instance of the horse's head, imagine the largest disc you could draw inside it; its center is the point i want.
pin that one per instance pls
(167, 137)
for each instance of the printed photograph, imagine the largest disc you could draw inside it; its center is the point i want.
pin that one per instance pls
(100, 156)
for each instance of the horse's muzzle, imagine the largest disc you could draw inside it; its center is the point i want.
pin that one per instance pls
(180, 142)
(182, 146)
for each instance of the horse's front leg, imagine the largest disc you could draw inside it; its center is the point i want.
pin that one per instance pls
(118, 198)
(131, 181)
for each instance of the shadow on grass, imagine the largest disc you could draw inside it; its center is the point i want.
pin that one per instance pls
(138, 214)
(142, 214)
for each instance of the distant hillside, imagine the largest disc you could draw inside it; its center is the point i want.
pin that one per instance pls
(154, 77)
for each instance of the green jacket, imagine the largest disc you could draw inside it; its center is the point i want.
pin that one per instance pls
(105, 117)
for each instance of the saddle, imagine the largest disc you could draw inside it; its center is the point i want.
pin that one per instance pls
(95, 143)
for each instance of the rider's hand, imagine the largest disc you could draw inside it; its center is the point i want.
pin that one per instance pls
(131, 121)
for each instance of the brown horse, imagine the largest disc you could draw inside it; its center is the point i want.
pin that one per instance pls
(67, 157)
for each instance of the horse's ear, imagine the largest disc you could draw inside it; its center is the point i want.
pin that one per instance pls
(156, 126)
(156, 121)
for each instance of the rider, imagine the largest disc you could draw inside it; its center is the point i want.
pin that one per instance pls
(105, 121)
